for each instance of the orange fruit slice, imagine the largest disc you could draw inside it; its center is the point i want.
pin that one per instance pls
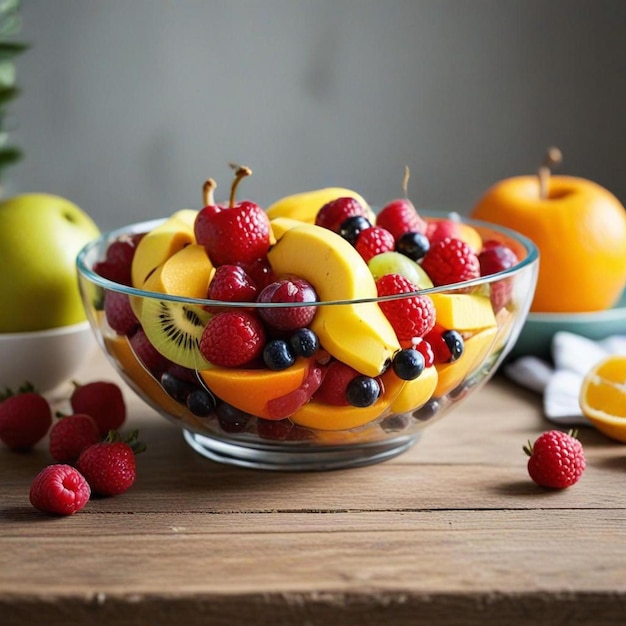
(603, 397)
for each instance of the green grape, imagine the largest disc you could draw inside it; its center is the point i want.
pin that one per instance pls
(396, 263)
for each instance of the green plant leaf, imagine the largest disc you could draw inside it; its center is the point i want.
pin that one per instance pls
(9, 156)
(10, 49)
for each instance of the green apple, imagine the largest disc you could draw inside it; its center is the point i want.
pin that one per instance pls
(40, 236)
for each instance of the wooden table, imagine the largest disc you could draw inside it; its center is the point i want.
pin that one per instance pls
(451, 532)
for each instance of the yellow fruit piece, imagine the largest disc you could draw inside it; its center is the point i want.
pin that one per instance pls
(475, 350)
(186, 273)
(160, 244)
(603, 397)
(304, 206)
(463, 311)
(250, 390)
(328, 417)
(415, 393)
(281, 225)
(358, 334)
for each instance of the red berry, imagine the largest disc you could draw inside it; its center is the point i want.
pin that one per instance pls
(118, 261)
(24, 418)
(450, 261)
(103, 401)
(147, 354)
(496, 258)
(557, 459)
(232, 339)
(334, 388)
(231, 283)
(374, 240)
(446, 345)
(119, 314)
(109, 466)
(288, 290)
(72, 434)
(334, 213)
(59, 489)
(413, 316)
(287, 405)
(425, 349)
(400, 217)
(436, 230)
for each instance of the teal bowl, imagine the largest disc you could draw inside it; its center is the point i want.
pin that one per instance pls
(536, 335)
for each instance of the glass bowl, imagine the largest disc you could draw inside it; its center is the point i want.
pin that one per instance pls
(263, 418)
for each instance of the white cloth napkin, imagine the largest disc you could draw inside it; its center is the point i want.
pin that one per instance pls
(559, 383)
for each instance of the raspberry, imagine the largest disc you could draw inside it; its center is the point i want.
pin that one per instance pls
(413, 316)
(72, 434)
(109, 467)
(25, 418)
(334, 213)
(557, 459)
(374, 240)
(119, 314)
(59, 489)
(231, 283)
(232, 338)
(400, 217)
(103, 401)
(288, 290)
(148, 355)
(118, 261)
(450, 261)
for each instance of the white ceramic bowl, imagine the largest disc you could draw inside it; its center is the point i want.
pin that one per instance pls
(45, 358)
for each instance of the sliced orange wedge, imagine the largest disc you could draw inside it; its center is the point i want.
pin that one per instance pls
(603, 397)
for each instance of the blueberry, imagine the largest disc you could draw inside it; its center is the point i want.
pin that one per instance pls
(352, 227)
(362, 391)
(414, 245)
(200, 402)
(176, 387)
(278, 355)
(454, 341)
(304, 342)
(408, 364)
(231, 419)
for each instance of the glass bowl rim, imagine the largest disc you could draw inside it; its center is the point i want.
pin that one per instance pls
(532, 255)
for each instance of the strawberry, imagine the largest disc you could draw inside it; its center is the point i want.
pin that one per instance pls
(557, 459)
(232, 338)
(231, 283)
(70, 435)
(410, 317)
(374, 240)
(109, 466)
(59, 489)
(119, 314)
(239, 233)
(400, 217)
(25, 417)
(334, 213)
(450, 261)
(103, 401)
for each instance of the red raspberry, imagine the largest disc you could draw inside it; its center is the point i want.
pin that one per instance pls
(334, 213)
(103, 401)
(557, 459)
(374, 240)
(72, 434)
(231, 283)
(450, 261)
(60, 489)
(118, 261)
(496, 258)
(119, 314)
(413, 316)
(147, 354)
(399, 217)
(232, 338)
(109, 466)
(24, 418)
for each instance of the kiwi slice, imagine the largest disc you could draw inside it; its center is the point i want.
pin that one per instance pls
(175, 329)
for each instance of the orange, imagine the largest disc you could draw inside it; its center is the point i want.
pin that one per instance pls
(580, 230)
(603, 397)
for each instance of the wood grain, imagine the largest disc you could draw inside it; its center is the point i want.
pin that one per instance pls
(452, 532)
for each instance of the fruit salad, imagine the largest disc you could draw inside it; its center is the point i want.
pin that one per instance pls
(314, 320)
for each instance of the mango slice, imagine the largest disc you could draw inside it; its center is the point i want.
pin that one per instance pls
(415, 393)
(463, 311)
(358, 334)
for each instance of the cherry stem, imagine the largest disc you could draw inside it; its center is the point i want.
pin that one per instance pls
(553, 157)
(241, 172)
(405, 181)
(207, 192)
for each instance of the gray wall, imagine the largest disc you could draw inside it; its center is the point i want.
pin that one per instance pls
(129, 105)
